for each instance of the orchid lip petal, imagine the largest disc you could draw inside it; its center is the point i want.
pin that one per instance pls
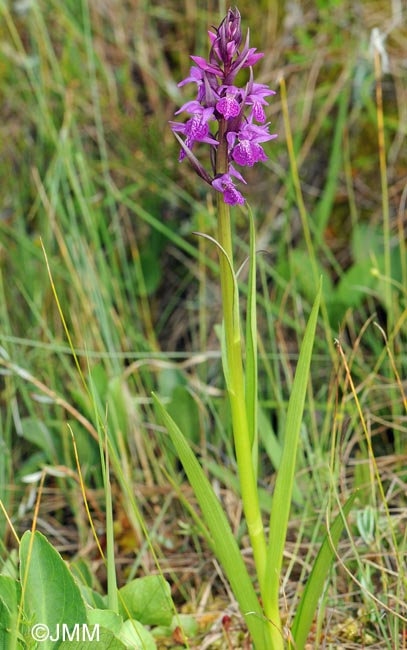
(224, 184)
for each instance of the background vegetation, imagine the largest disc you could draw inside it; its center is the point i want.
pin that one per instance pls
(106, 294)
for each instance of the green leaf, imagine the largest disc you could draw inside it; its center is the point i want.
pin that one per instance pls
(10, 594)
(81, 570)
(136, 637)
(10, 565)
(5, 625)
(269, 439)
(5, 619)
(224, 543)
(10, 591)
(50, 594)
(188, 623)
(168, 380)
(232, 296)
(315, 583)
(282, 497)
(105, 618)
(92, 597)
(147, 600)
(274, 449)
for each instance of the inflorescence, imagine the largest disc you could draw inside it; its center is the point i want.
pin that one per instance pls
(239, 112)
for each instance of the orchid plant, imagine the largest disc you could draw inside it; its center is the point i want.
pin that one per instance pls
(231, 120)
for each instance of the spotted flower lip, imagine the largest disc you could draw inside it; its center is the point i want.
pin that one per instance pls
(196, 129)
(228, 105)
(225, 184)
(256, 99)
(248, 149)
(238, 112)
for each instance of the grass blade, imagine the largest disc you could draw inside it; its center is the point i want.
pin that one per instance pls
(285, 478)
(315, 583)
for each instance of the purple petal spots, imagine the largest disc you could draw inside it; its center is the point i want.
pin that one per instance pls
(232, 196)
(256, 98)
(196, 128)
(225, 184)
(228, 107)
(258, 112)
(248, 153)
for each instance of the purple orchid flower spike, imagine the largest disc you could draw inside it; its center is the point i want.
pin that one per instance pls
(223, 112)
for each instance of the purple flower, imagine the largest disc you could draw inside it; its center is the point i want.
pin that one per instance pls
(228, 105)
(236, 109)
(256, 99)
(196, 76)
(248, 151)
(225, 184)
(196, 128)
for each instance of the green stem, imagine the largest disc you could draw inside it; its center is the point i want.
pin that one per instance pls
(235, 382)
(239, 416)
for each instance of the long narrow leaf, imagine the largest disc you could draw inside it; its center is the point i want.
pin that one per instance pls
(316, 580)
(274, 450)
(224, 543)
(280, 509)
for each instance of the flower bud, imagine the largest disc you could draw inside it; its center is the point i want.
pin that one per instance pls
(229, 36)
